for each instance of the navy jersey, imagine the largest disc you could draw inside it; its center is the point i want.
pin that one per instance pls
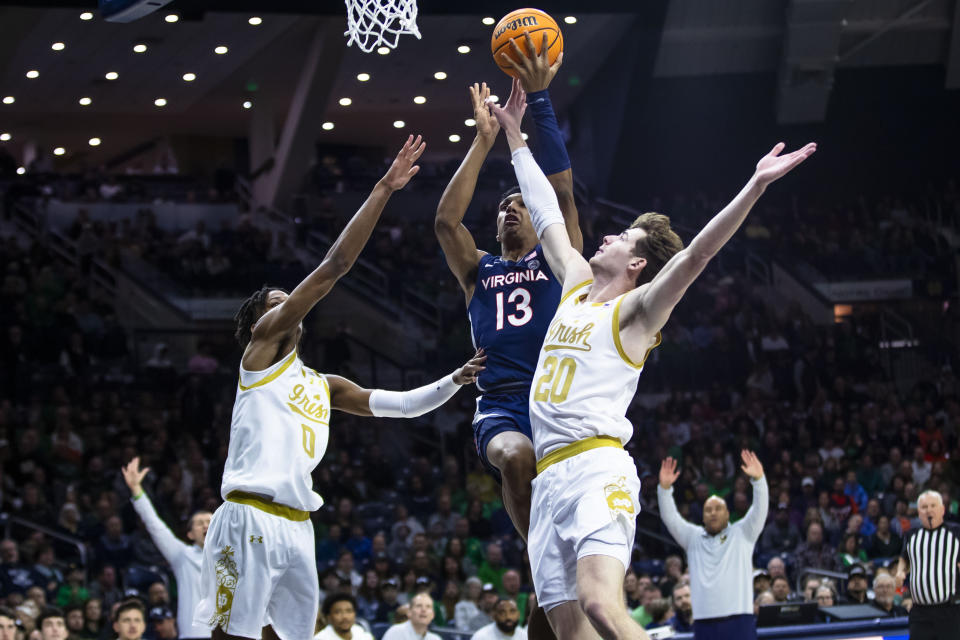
(512, 306)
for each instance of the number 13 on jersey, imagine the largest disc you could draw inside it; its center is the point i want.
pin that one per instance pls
(523, 313)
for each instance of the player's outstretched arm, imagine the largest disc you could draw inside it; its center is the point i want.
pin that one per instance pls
(284, 318)
(646, 309)
(565, 261)
(458, 245)
(352, 398)
(535, 74)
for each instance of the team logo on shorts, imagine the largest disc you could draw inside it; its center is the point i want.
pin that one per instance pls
(618, 498)
(227, 575)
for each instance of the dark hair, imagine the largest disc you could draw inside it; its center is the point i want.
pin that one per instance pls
(658, 244)
(515, 189)
(6, 612)
(250, 311)
(46, 614)
(334, 598)
(130, 605)
(784, 578)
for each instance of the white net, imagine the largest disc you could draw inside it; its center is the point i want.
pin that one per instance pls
(380, 23)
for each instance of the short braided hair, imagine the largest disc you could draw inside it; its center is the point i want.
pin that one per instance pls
(250, 311)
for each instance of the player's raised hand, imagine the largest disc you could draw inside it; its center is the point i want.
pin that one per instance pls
(534, 70)
(774, 166)
(404, 165)
(751, 464)
(133, 475)
(487, 125)
(668, 472)
(510, 115)
(467, 374)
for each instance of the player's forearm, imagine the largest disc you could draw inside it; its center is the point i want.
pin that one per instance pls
(415, 402)
(552, 152)
(722, 227)
(458, 194)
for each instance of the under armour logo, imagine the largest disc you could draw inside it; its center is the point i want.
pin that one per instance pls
(258, 539)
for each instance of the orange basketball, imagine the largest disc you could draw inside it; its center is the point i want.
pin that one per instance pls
(514, 25)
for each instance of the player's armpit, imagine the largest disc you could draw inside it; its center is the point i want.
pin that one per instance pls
(349, 397)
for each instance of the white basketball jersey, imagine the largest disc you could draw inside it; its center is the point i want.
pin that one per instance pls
(584, 380)
(279, 433)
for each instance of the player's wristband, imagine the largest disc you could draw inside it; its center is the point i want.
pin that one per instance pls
(413, 403)
(538, 194)
(551, 151)
(138, 495)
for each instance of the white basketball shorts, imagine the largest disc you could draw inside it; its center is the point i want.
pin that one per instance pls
(582, 506)
(259, 569)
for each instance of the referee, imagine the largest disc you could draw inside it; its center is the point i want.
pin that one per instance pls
(720, 555)
(932, 556)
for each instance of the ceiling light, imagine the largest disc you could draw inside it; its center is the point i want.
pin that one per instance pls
(59, 151)
(189, 77)
(383, 50)
(470, 122)
(21, 171)
(363, 77)
(85, 101)
(220, 50)
(488, 21)
(494, 98)
(86, 15)
(139, 48)
(33, 73)
(463, 49)
(111, 75)
(419, 99)
(160, 102)
(440, 75)
(399, 124)
(172, 17)
(94, 142)
(524, 136)
(58, 46)
(5, 137)
(345, 102)
(570, 20)
(326, 126)
(9, 100)
(454, 138)
(247, 104)
(255, 20)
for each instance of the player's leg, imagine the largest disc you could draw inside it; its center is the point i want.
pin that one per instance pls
(292, 612)
(569, 622)
(600, 597)
(511, 452)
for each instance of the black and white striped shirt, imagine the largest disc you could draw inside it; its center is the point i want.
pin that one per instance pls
(933, 555)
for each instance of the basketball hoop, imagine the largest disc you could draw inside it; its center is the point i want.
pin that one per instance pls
(375, 23)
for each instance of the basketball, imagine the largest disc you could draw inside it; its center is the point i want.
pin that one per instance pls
(514, 25)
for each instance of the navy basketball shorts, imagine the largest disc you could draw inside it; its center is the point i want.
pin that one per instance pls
(496, 414)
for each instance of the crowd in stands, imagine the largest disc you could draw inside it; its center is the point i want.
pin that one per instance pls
(846, 450)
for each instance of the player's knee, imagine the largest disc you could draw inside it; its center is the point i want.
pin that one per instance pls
(598, 610)
(517, 463)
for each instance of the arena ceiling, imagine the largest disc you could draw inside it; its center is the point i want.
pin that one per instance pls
(263, 62)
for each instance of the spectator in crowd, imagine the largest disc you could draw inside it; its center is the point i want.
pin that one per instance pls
(641, 615)
(776, 568)
(389, 601)
(163, 624)
(505, 625)
(761, 581)
(814, 552)
(780, 588)
(52, 625)
(129, 620)
(8, 624)
(826, 596)
(660, 613)
(810, 585)
(884, 543)
(511, 591)
(682, 620)
(492, 569)
(416, 628)
(14, 576)
(780, 535)
(93, 624)
(850, 551)
(720, 554)
(885, 591)
(856, 585)
(764, 599)
(340, 612)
